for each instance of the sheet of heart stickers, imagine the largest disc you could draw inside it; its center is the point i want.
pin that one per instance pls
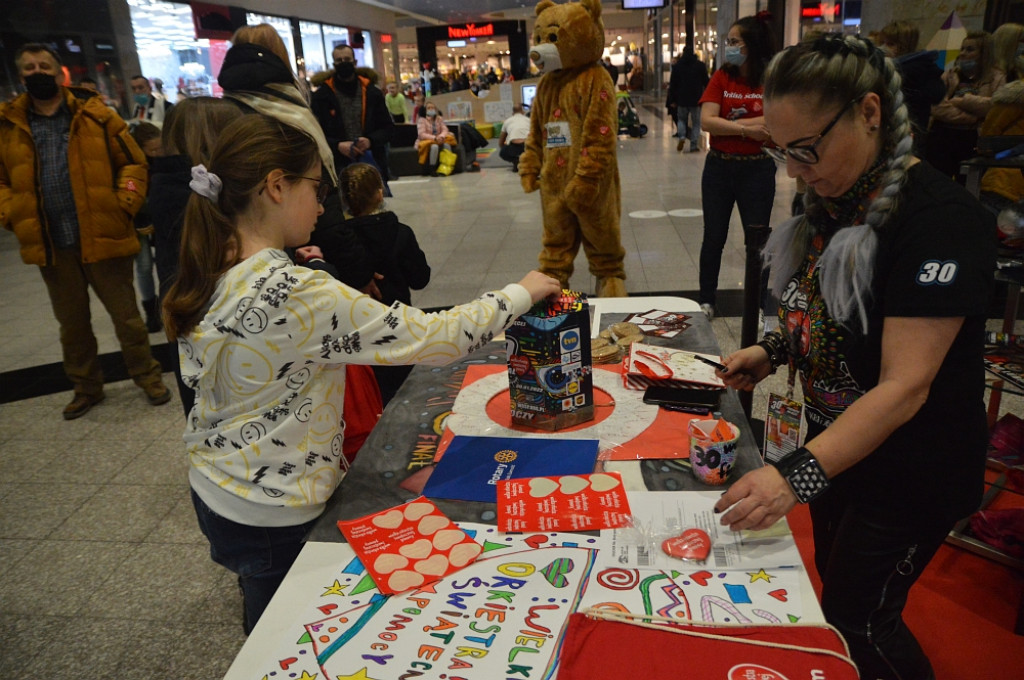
(410, 545)
(563, 503)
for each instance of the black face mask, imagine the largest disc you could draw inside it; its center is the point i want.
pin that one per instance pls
(42, 86)
(345, 69)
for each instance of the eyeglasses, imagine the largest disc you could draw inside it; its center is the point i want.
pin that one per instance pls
(803, 152)
(323, 187)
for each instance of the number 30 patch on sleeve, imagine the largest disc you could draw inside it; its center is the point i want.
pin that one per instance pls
(936, 272)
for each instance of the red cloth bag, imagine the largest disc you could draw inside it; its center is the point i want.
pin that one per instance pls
(362, 409)
(602, 645)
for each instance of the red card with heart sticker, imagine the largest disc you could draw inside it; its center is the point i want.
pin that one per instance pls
(692, 544)
(563, 503)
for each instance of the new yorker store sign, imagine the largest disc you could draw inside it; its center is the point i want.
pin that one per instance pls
(470, 31)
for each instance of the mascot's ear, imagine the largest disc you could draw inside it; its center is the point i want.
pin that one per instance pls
(543, 5)
(593, 7)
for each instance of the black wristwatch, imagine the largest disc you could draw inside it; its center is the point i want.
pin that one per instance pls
(804, 474)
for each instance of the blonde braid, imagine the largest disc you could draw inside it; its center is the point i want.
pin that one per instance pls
(847, 265)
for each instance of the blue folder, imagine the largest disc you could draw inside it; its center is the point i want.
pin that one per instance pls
(472, 466)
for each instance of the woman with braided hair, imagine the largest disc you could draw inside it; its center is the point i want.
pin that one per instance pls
(882, 286)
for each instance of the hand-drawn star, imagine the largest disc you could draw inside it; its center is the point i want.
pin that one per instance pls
(307, 676)
(760, 575)
(336, 589)
(427, 588)
(361, 675)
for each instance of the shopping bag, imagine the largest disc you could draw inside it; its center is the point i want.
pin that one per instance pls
(610, 645)
(447, 157)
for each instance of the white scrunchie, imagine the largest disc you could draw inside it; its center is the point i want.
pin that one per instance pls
(205, 183)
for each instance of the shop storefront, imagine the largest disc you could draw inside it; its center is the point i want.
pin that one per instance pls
(179, 46)
(470, 48)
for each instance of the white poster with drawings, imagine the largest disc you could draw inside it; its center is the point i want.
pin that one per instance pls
(506, 91)
(497, 112)
(459, 111)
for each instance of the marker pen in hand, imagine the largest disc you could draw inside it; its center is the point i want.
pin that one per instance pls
(721, 368)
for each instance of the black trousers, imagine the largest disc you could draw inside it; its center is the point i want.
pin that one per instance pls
(868, 559)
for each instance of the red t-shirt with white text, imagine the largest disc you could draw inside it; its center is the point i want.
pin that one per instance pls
(736, 100)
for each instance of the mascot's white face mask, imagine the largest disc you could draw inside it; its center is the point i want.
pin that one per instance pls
(546, 57)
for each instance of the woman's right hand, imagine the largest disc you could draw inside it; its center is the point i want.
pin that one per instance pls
(746, 368)
(540, 286)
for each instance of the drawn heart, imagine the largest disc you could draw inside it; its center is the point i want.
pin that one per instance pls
(435, 565)
(780, 595)
(464, 553)
(571, 484)
(286, 663)
(431, 523)
(446, 538)
(417, 550)
(401, 581)
(536, 541)
(701, 577)
(692, 544)
(389, 520)
(315, 627)
(327, 608)
(601, 482)
(541, 487)
(416, 510)
(388, 562)
(520, 364)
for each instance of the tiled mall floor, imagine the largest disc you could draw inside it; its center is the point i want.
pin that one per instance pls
(103, 572)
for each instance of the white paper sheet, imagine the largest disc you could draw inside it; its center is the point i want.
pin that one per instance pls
(664, 514)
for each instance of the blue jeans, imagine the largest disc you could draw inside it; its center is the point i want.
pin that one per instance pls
(868, 559)
(688, 118)
(144, 269)
(750, 186)
(261, 556)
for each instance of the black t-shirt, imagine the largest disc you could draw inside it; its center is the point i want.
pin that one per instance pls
(935, 259)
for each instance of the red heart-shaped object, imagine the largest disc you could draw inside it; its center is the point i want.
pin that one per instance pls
(285, 663)
(692, 544)
(701, 577)
(520, 364)
(780, 595)
(328, 608)
(536, 541)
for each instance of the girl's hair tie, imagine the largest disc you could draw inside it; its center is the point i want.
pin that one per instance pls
(205, 183)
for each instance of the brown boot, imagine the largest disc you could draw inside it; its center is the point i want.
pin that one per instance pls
(157, 393)
(81, 404)
(611, 287)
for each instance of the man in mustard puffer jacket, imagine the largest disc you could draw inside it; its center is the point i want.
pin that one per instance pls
(71, 178)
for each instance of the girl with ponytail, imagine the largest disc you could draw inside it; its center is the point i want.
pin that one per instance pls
(264, 344)
(883, 285)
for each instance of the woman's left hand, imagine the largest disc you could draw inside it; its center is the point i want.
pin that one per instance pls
(759, 499)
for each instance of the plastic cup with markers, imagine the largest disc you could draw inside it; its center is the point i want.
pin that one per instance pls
(713, 450)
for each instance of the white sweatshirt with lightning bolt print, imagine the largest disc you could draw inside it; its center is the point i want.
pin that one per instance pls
(267, 362)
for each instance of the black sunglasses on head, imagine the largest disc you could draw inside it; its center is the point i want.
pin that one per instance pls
(803, 150)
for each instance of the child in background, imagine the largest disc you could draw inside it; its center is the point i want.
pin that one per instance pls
(147, 136)
(393, 248)
(264, 344)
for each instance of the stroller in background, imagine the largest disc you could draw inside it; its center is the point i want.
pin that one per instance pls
(629, 117)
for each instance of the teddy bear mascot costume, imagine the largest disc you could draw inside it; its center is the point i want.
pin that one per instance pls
(570, 152)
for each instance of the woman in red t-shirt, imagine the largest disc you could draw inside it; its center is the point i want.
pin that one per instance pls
(737, 171)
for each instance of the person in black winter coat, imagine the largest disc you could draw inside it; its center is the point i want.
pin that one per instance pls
(396, 253)
(353, 114)
(685, 87)
(190, 131)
